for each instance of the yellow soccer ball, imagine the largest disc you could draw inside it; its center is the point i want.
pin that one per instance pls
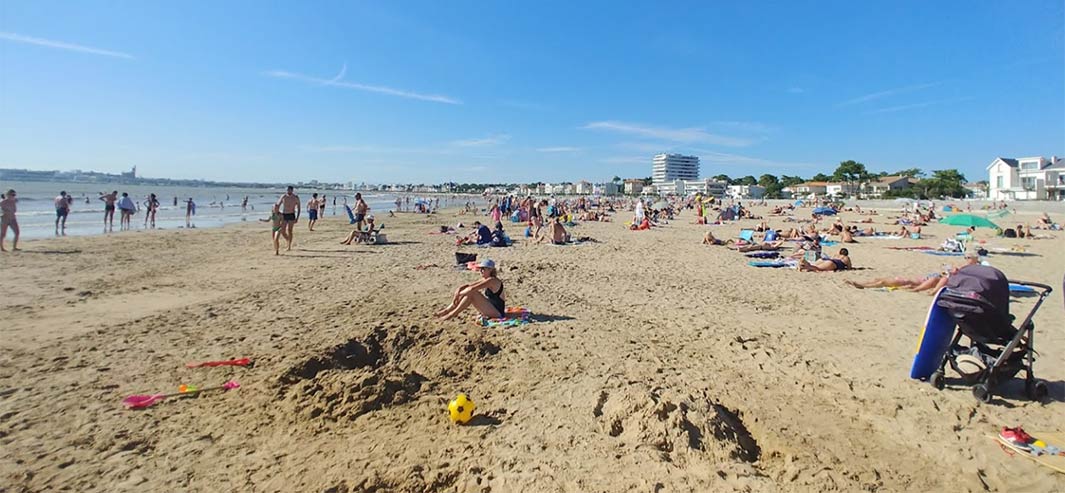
(461, 409)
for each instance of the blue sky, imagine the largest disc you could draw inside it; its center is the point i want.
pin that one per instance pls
(526, 91)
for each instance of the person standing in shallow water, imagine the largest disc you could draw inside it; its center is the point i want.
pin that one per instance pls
(8, 208)
(190, 210)
(109, 210)
(62, 209)
(289, 203)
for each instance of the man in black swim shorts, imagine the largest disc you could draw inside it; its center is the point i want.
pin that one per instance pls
(289, 204)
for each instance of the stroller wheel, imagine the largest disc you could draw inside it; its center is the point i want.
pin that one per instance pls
(982, 393)
(372, 240)
(1036, 389)
(937, 380)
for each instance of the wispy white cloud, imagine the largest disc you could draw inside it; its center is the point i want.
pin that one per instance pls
(796, 90)
(18, 38)
(889, 92)
(491, 140)
(559, 149)
(685, 135)
(337, 82)
(904, 107)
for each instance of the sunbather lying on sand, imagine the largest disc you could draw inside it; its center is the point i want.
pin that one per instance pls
(933, 281)
(842, 262)
(708, 239)
(757, 247)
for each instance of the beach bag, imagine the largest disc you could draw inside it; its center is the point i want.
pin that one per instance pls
(463, 258)
(951, 245)
(1009, 233)
(443, 229)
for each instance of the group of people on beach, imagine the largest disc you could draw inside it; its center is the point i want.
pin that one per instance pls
(287, 210)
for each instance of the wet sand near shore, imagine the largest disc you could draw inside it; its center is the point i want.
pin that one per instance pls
(653, 363)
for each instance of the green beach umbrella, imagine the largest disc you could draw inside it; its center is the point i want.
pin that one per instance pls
(968, 220)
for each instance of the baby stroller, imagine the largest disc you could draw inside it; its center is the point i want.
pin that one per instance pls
(977, 298)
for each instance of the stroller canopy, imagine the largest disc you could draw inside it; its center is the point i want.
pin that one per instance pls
(987, 283)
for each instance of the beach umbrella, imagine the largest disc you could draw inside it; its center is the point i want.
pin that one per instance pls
(968, 220)
(903, 200)
(661, 204)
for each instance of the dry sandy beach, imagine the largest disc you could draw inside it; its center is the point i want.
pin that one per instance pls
(654, 364)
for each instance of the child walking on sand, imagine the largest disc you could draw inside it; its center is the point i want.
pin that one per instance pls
(275, 227)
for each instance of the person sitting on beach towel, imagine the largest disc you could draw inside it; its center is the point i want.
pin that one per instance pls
(847, 236)
(499, 237)
(843, 262)
(481, 235)
(486, 295)
(557, 233)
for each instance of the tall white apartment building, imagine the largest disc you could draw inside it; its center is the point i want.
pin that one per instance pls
(668, 168)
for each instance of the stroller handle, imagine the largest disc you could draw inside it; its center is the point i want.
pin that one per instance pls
(1046, 289)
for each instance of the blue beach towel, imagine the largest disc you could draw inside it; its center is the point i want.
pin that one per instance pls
(771, 263)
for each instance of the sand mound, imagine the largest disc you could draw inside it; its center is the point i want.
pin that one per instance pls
(373, 372)
(679, 428)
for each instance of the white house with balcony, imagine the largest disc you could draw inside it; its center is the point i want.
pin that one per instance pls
(836, 189)
(746, 191)
(1029, 178)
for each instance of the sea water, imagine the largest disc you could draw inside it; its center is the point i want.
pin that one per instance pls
(215, 206)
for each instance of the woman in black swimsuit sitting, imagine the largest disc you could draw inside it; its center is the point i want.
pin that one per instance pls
(491, 303)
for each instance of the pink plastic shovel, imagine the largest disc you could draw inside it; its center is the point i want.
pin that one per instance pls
(142, 401)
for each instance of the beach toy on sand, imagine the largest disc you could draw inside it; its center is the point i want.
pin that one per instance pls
(186, 388)
(232, 362)
(460, 410)
(142, 401)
